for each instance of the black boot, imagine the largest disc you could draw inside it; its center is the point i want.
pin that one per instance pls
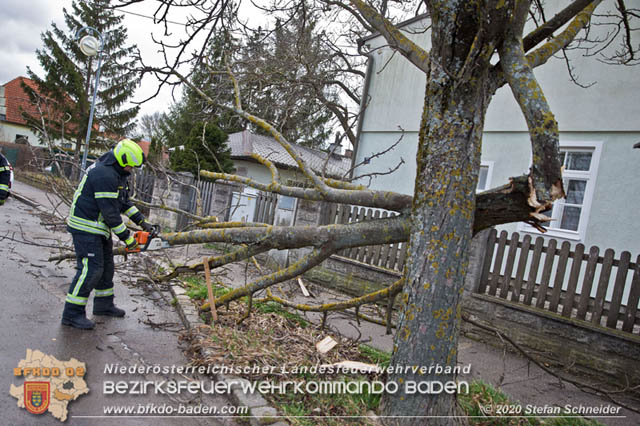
(75, 316)
(105, 306)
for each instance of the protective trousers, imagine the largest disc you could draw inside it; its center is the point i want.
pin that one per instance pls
(95, 269)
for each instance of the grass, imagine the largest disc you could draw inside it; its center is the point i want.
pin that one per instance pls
(375, 356)
(221, 247)
(485, 400)
(273, 336)
(197, 288)
(44, 181)
(276, 308)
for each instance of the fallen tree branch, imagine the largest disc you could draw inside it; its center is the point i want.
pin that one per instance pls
(301, 266)
(373, 297)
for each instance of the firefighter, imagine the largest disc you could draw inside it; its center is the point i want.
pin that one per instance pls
(98, 202)
(5, 178)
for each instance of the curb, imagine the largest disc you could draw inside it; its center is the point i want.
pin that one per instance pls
(26, 201)
(260, 412)
(33, 204)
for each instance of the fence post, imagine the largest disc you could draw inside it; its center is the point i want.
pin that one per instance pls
(632, 303)
(618, 289)
(477, 254)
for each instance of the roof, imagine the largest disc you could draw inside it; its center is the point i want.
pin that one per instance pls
(402, 24)
(243, 144)
(17, 100)
(145, 145)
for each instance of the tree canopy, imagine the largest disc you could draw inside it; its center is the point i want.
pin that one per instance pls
(476, 47)
(67, 85)
(202, 147)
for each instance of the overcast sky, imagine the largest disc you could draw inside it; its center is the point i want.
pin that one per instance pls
(23, 21)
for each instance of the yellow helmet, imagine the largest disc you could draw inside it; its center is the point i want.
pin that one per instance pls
(128, 153)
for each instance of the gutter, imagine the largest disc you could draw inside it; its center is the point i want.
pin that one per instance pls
(402, 24)
(363, 101)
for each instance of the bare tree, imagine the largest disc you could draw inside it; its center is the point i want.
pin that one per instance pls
(151, 126)
(444, 213)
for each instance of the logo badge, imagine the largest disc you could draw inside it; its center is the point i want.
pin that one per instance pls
(36, 396)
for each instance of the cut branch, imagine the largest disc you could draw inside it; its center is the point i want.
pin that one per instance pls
(373, 297)
(301, 266)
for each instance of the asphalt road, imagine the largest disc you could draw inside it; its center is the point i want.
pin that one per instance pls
(33, 292)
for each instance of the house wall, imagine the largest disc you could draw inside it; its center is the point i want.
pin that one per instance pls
(605, 112)
(8, 132)
(611, 222)
(262, 174)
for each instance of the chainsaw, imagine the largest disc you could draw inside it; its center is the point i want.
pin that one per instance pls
(148, 241)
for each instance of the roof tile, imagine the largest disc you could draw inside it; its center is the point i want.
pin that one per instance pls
(243, 144)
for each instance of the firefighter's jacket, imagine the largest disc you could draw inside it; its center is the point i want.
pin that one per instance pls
(103, 194)
(5, 177)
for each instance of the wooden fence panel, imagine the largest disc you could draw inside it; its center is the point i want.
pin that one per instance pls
(587, 283)
(357, 215)
(393, 256)
(260, 208)
(522, 266)
(569, 296)
(575, 300)
(362, 251)
(533, 270)
(384, 256)
(343, 217)
(497, 265)
(560, 273)
(331, 215)
(484, 276)
(546, 274)
(511, 259)
(378, 249)
(618, 289)
(370, 250)
(634, 298)
(603, 284)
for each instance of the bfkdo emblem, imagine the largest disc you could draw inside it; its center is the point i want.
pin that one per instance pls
(36, 396)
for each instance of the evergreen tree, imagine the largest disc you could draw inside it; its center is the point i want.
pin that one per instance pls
(273, 70)
(69, 76)
(216, 85)
(200, 150)
(278, 76)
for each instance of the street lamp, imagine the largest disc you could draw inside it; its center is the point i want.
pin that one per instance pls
(89, 46)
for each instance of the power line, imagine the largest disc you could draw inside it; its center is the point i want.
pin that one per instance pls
(151, 17)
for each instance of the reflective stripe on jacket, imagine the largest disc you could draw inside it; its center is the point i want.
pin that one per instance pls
(5, 177)
(103, 194)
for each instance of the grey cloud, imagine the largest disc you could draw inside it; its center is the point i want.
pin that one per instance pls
(21, 24)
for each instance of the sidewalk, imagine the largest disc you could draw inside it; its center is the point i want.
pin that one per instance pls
(34, 292)
(49, 201)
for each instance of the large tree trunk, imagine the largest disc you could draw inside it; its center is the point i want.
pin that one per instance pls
(448, 161)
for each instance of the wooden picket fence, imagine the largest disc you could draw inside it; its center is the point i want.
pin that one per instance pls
(388, 256)
(504, 275)
(265, 207)
(142, 188)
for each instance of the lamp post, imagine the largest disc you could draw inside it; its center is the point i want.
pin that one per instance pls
(89, 46)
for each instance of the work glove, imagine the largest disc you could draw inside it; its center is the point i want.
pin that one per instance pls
(151, 229)
(131, 243)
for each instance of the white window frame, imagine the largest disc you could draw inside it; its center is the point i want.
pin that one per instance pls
(595, 147)
(489, 166)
